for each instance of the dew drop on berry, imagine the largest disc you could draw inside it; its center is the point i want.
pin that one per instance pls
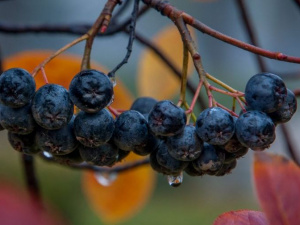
(175, 181)
(47, 155)
(105, 178)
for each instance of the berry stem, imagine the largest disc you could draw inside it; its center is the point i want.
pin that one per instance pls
(228, 110)
(31, 180)
(184, 75)
(191, 108)
(58, 52)
(234, 95)
(170, 11)
(115, 112)
(101, 24)
(44, 75)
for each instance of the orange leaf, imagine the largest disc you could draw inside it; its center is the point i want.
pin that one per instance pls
(124, 197)
(277, 182)
(241, 217)
(154, 77)
(132, 189)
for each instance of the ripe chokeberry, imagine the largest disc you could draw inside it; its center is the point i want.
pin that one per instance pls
(91, 90)
(287, 110)
(156, 166)
(215, 126)
(23, 143)
(143, 105)
(167, 161)
(190, 170)
(57, 142)
(131, 130)
(17, 120)
(94, 129)
(211, 159)
(52, 107)
(185, 146)
(103, 155)
(166, 119)
(17, 87)
(265, 92)
(71, 158)
(147, 147)
(255, 130)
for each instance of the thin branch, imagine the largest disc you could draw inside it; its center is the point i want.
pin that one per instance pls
(170, 11)
(31, 180)
(250, 31)
(297, 2)
(134, 15)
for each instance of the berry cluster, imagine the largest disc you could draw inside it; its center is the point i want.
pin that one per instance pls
(43, 121)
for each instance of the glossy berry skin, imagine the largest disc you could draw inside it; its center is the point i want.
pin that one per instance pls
(210, 160)
(23, 143)
(52, 107)
(91, 91)
(287, 110)
(94, 129)
(17, 120)
(167, 161)
(131, 130)
(147, 147)
(186, 146)
(166, 119)
(190, 170)
(57, 142)
(156, 166)
(143, 105)
(255, 130)
(103, 155)
(17, 87)
(215, 126)
(265, 92)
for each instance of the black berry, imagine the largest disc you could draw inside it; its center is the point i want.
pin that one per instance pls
(17, 87)
(215, 126)
(52, 107)
(255, 130)
(186, 146)
(94, 129)
(166, 119)
(91, 90)
(23, 143)
(143, 105)
(265, 92)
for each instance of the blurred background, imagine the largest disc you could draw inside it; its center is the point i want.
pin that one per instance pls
(197, 200)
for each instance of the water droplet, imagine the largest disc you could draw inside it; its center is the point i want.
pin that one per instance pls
(105, 179)
(47, 155)
(175, 181)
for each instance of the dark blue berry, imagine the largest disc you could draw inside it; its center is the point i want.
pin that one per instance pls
(94, 129)
(210, 160)
(57, 142)
(215, 126)
(103, 155)
(190, 170)
(17, 87)
(287, 110)
(156, 166)
(185, 146)
(227, 168)
(167, 161)
(255, 130)
(265, 92)
(147, 147)
(131, 130)
(71, 158)
(143, 105)
(52, 107)
(166, 119)
(23, 143)
(91, 90)
(17, 120)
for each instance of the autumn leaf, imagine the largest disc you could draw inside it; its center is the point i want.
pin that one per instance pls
(242, 217)
(155, 79)
(125, 196)
(277, 182)
(131, 190)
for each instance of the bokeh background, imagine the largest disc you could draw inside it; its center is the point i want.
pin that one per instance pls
(197, 200)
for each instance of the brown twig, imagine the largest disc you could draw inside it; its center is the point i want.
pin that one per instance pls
(170, 11)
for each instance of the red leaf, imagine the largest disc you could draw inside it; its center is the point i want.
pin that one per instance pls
(241, 217)
(277, 182)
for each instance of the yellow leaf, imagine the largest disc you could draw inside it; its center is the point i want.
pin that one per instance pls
(125, 196)
(154, 77)
(132, 189)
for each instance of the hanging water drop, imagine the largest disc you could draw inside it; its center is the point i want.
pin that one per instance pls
(47, 155)
(175, 181)
(105, 178)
